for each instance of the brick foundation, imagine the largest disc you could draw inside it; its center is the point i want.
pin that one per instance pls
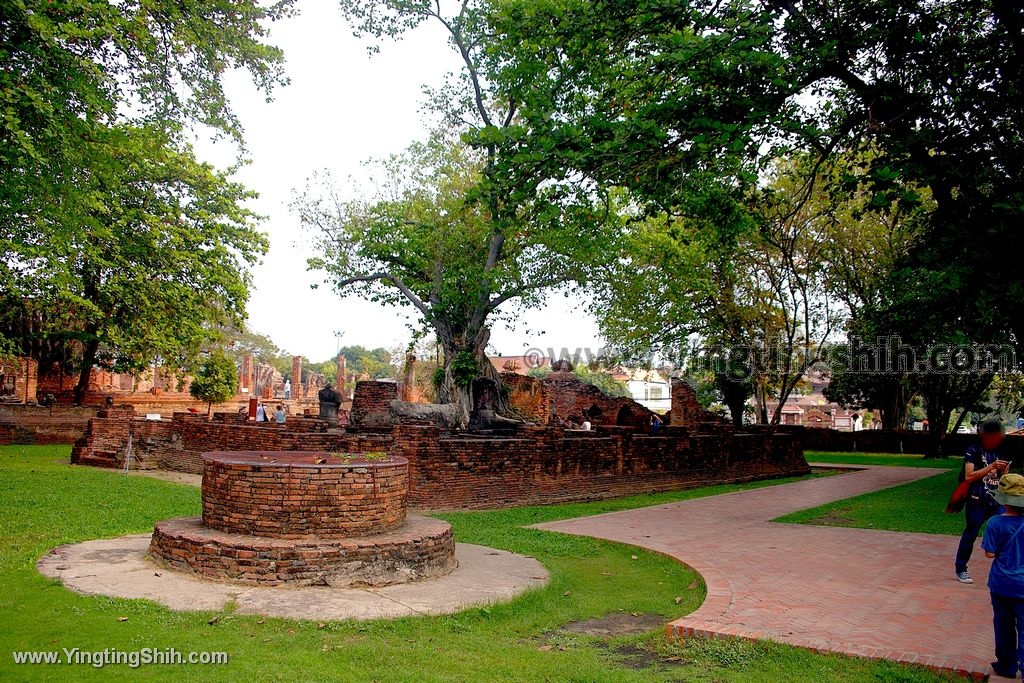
(298, 494)
(177, 444)
(421, 549)
(305, 518)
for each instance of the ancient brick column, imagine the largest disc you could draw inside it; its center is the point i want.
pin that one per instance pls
(297, 377)
(409, 380)
(340, 381)
(686, 410)
(245, 376)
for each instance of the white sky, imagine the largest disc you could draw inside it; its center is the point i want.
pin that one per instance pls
(342, 107)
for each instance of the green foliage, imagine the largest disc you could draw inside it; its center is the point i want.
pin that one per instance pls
(539, 372)
(1008, 392)
(464, 368)
(156, 262)
(247, 342)
(713, 100)
(114, 236)
(377, 363)
(217, 379)
(466, 221)
(603, 380)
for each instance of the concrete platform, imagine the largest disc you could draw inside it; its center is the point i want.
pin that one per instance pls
(119, 567)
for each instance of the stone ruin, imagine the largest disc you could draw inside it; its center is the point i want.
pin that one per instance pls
(306, 518)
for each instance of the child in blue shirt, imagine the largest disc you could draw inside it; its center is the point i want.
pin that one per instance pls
(1004, 541)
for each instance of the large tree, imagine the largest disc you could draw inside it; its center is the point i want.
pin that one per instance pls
(156, 264)
(519, 220)
(426, 241)
(98, 186)
(649, 94)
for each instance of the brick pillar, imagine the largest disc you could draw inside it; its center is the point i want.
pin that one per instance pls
(297, 391)
(409, 380)
(686, 410)
(30, 367)
(340, 380)
(245, 375)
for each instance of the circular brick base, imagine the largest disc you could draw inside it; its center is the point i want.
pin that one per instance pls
(422, 548)
(294, 494)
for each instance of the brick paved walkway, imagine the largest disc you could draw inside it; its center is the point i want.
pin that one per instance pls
(877, 594)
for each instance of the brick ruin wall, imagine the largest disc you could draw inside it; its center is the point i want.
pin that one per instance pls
(57, 424)
(449, 471)
(562, 396)
(570, 398)
(177, 444)
(686, 409)
(551, 465)
(19, 378)
(527, 397)
(371, 404)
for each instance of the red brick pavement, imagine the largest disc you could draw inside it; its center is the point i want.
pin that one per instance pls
(862, 592)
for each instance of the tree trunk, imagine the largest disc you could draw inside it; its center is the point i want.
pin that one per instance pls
(89, 352)
(938, 423)
(735, 394)
(458, 390)
(894, 407)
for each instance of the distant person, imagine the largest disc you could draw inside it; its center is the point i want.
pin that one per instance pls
(287, 390)
(1004, 542)
(655, 424)
(261, 413)
(586, 425)
(983, 465)
(279, 415)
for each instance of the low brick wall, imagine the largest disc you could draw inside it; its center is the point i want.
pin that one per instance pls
(447, 471)
(178, 444)
(423, 548)
(550, 465)
(299, 494)
(38, 425)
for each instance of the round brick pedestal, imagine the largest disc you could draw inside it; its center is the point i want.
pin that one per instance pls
(305, 518)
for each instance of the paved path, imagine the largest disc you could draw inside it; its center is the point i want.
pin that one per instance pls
(862, 592)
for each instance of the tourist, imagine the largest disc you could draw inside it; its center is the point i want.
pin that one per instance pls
(655, 424)
(586, 423)
(983, 466)
(287, 390)
(261, 412)
(1004, 542)
(279, 415)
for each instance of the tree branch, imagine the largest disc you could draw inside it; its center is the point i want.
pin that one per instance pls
(395, 282)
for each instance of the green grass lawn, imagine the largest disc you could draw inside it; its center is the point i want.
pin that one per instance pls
(918, 506)
(44, 502)
(902, 460)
